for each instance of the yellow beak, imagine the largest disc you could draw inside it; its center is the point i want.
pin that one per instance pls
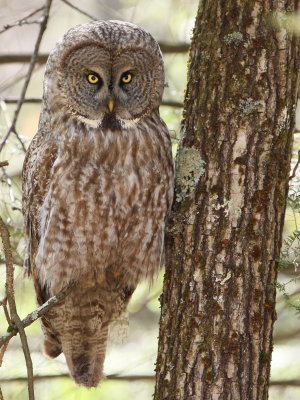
(110, 105)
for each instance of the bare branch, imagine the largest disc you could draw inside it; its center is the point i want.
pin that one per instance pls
(285, 336)
(23, 21)
(79, 10)
(19, 23)
(34, 315)
(22, 58)
(43, 26)
(294, 382)
(59, 376)
(16, 262)
(8, 181)
(13, 100)
(3, 302)
(166, 48)
(12, 305)
(295, 167)
(171, 103)
(6, 313)
(123, 378)
(2, 351)
(37, 100)
(4, 163)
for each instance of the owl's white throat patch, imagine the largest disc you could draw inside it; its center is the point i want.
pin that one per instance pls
(96, 123)
(129, 123)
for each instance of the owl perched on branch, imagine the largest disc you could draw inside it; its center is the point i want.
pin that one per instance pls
(98, 184)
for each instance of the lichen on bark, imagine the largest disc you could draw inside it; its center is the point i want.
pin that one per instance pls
(189, 167)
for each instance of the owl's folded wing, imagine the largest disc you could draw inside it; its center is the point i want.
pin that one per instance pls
(36, 175)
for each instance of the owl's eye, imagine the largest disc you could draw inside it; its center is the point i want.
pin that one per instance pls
(93, 79)
(126, 77)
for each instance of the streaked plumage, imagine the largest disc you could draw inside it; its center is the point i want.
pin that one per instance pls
(97, 186)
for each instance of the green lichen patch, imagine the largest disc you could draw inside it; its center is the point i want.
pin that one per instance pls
(190, 167)
(249, 106)
(233, 38)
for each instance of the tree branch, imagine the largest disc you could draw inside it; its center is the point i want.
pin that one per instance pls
(22, 21)
(22, 58)
(33, 58)
(12, 306)
(16, 262)
(295, 167)
(13, 100)
(79, 10)
(37, 100)
(5, 178)
(171, 103)
(293, 382)
(166, 48)
(2, 351)
(58, 376)
(34, 315)
(122, 378)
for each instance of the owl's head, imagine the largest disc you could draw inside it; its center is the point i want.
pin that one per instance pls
(105, 73)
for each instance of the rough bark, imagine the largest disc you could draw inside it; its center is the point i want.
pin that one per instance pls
(224, 237)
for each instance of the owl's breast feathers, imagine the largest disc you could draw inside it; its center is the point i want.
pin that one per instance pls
(97, 201)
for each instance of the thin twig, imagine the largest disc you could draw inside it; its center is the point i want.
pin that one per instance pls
(295, 167)
(79, 10)
(12, 305)
(43, 26)
(292, 382)
(37, 100)
(3, 302)
(171, 103)
(166, 48)
(285, 336)
(123, 378)
(34, 315)
(2, 351)
(16, 262)
(6, 313)
(22, 58)
(8, 181)
(22, 21)
(13, 100)
(58, 376)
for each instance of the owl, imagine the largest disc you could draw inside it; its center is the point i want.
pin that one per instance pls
(97, 186)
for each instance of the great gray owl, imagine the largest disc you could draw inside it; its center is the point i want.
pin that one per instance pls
(97, 185)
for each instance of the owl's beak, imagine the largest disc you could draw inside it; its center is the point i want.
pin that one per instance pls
(110, 105)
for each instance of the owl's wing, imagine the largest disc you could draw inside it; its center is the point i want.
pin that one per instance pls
(37, 169)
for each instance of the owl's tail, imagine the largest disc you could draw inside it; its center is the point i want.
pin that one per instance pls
(85, 358)
(81, 329)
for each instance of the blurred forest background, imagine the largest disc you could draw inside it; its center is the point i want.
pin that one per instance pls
(132, 352)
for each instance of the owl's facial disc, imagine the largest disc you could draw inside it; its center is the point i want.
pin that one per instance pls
(102, 86)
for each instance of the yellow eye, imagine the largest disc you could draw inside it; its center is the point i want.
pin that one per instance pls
(126, 78)
(92, 78)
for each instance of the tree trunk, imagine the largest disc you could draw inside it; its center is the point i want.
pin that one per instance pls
(224, 237)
